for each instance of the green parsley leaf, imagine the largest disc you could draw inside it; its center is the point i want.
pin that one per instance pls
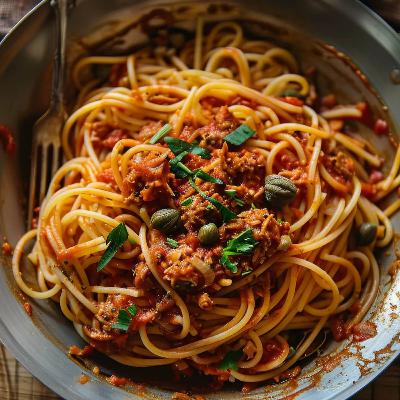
(280, 221)
(228, 263)
(125, 317)
(187, 202)
(132, 309)
(241, 245)
(177, 146)
(160, 134)
(123, 321)
(199, 173)
(240, 135)
(226, 213)
(231, 360)
(172, 243)
(232, 194)
(178, 168)
(115, 240)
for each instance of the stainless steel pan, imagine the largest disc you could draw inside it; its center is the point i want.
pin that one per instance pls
(41, 342)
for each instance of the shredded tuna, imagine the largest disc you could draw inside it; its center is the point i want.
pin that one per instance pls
(267, 231)
(212, 135)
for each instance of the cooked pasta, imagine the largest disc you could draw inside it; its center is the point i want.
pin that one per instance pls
(210, 209)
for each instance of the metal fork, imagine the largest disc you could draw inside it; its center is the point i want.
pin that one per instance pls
(46, 142)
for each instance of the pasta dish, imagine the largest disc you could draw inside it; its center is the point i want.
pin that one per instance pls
(215, 213)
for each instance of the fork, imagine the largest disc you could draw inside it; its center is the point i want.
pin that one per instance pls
(46, 142)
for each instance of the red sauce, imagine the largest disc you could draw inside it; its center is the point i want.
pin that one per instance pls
(85, 352)
(292, 100)
(115, 136)
(363, 331)
(375, 176)
(84, 379)
(106, 176)
(272, 351)
(7, 248)
(248, 387)
(8, 139)
(339, 329)
(381, 127)
(368, 190)
(28, 308)
(117, 381)
(329, 101)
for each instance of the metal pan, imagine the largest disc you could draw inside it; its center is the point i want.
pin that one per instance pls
(40, 343)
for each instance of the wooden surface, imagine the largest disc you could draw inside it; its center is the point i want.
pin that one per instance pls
(18, 384)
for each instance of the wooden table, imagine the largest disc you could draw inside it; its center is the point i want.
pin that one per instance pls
(16, 383)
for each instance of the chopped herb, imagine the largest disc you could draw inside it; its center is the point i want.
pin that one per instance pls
(132, 309)
(115, 240)
(123, 321)
(280, 221)
(160, 134)
(241, 245)
(178, 146)
(230, 361)
(187, 202)
(172, 243)
(247, 272)
(228, 263)
(209, 207)
(226, 213)
(125, 318)
(199, 173)
(253, 206)
(178, 168)
(240, 135)
(232, 193)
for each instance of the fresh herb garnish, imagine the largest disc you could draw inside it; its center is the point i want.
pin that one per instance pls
(178, 168)
(232, 193)
(125, 317)
(241, 245)
(247, 272)
(226, 213)
(231, 360)
(160, 134)
(280, 221)
(199, 173)
(115, 240)
(187, 202)
(132, 309)
(240, 135)
(253, 206)
(178, 146)
(172, 243)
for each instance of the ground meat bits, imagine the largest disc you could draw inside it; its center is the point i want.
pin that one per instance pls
(267, 231)
(147, 179)
(212, 135)
(201, 211)
(340, 166)
(241, 164)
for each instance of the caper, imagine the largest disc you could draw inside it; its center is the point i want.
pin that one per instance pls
(366, 233)
(208, 234)
(279, 191)
(285, 243)
(165, 220)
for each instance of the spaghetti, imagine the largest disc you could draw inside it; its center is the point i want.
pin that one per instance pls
(189, 134)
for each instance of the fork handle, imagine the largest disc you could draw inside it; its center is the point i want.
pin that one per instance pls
(59, 63)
